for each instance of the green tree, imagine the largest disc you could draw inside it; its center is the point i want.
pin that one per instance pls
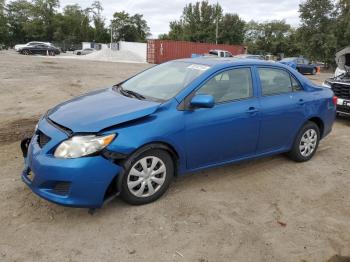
(100, 32)
(343, 23)
(4, 32)
(73, 25)
(317, 31)
(19, 13)
(274, 37)
(197, 23)
(42, 24)
(129, 28)
(231, 29)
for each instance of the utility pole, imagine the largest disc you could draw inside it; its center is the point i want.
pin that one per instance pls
(111, 34)
(217, 23)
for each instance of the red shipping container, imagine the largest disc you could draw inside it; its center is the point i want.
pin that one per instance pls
(159, 51)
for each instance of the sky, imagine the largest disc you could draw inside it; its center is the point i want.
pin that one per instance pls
(159, 13)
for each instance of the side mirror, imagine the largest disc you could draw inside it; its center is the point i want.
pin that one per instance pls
(203, 101)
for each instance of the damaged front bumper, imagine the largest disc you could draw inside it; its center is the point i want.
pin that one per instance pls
(80, 182)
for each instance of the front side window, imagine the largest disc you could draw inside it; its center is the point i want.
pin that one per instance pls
(229, 85)
(164, 81)
(274, 81)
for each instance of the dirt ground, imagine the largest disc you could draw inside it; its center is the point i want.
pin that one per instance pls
(269, 209)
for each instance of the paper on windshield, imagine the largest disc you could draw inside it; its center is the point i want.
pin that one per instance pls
(198, 67)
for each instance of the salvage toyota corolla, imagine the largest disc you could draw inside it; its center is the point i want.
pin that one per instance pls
(178, 117)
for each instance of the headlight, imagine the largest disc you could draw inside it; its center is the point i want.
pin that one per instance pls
(326, 84)
(79, 146)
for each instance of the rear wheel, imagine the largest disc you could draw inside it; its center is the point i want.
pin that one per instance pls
(306, 143)
(314, 71)
(147, 177)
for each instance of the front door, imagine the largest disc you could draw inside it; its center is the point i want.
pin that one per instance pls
(229, 130)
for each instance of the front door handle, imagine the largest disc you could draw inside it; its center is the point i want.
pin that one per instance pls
(301, 101)
(252, 110)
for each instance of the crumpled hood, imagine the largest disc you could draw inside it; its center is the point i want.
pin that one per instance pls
(342, 58)
(100, 109)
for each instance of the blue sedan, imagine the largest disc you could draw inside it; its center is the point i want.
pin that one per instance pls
(178, 117)
(302, 65)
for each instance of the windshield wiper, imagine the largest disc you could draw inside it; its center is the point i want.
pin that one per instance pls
(133, 93)
(129, 93)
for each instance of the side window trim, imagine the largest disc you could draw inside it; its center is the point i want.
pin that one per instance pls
(276, 68)
(185, 103)
(297, 81)
(253, 95)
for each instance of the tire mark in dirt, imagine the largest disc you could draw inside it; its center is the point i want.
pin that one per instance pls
(16, 130)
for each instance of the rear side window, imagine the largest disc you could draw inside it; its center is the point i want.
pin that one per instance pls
(274, 81)
(230, 85)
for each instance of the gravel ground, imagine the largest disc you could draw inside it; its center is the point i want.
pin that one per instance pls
(269, 209)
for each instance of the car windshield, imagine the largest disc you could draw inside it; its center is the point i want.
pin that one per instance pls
(164, 81)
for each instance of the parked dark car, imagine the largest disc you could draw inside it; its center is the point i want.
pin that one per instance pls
(301, 64)
(175, 118)
(340, 83)
(40, 49)
(3, 47)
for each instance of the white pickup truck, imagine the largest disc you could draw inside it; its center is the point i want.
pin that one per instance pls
(220, 53)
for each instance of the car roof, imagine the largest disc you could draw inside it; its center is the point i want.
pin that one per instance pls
(213, 61)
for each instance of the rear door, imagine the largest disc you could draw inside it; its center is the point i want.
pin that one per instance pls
(282, 109)
(229, 130)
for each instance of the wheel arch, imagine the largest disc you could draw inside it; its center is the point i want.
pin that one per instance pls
(319, 122)
(115, 185)
(160, 145)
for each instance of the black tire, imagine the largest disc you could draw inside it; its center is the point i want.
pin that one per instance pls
(126, 193)
(26, 52)
(296, 152)
(78, 53)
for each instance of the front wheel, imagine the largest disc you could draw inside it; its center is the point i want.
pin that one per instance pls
(314, 71)
(306, 143)
(26, 52)
(147, 177)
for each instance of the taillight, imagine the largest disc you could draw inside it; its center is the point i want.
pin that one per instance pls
(335, 100)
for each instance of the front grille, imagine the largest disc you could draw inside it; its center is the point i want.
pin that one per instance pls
(343, 109)
(341, 91)
(61, 188)
(43, 139)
